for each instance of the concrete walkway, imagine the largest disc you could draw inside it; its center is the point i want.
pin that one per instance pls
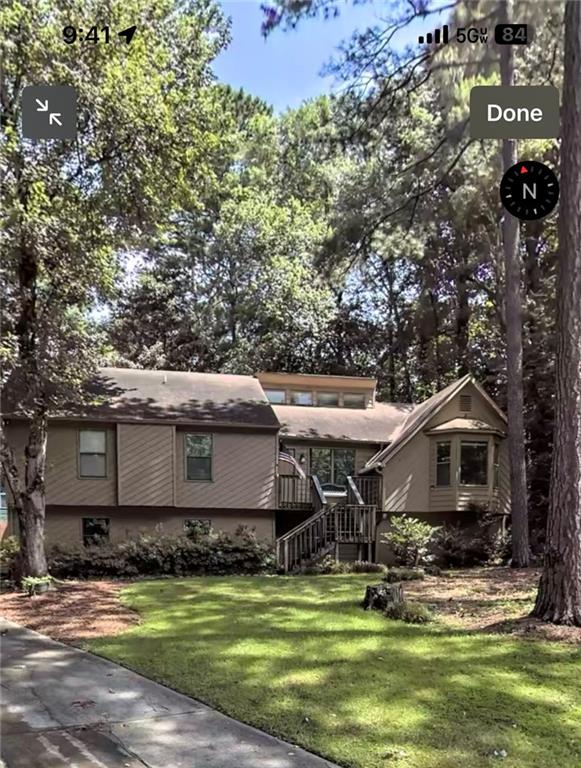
(63, 707)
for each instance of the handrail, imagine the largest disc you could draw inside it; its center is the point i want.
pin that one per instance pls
(319, 500)
(302, 526)
(353, 491)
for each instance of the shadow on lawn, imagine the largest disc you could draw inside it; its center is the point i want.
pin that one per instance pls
(301, 659)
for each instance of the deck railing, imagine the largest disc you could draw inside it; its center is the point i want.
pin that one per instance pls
(294, 492)
(370, 488)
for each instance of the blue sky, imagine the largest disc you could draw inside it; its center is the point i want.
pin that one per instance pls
(285, 68)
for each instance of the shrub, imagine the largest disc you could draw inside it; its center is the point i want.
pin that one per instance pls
(328, 565)
(457, 547)
(216, 554)
(33, 585)
(325, 566)
(409, 539)
(9, 548)
(403, 574)
(364, 566)
(411, 613)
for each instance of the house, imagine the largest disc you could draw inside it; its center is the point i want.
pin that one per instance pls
(167, 450)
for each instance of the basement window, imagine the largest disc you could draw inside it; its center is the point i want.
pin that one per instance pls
(95, 531)
(195, 526)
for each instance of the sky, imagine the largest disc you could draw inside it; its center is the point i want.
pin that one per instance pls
(286, 68)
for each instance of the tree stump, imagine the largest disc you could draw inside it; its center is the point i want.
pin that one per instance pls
(379, 596)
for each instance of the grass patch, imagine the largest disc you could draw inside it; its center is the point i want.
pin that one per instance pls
(298, 657)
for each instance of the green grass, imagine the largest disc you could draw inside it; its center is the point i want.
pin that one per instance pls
(299, 658)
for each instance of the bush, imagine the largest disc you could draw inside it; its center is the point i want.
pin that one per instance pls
(409, 539)
(404, 574)
(457, 547)
(216, 554)
(9, 548)
(328, 565)
(364, 566)
(34, 585)
(411, 613)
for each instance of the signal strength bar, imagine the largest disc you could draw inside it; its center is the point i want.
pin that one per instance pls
(436, 37)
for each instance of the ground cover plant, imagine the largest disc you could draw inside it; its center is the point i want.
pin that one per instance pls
(298, 657)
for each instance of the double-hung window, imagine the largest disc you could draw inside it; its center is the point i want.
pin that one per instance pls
(92, 453)
(443, 462)
(198, 451)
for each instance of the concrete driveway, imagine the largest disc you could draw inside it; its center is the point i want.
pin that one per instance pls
(63, 707)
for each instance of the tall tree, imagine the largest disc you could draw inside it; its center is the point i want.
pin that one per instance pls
(514, 346)
(559, 596)
(144, 136)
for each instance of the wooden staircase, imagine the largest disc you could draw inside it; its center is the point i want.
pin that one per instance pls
(330, 526)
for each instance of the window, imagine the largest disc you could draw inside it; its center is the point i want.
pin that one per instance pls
(302, 398)
(198, 457)
(332, 465)
(92, 453)
(95, 531)
(443, 454)
(353, 400)
(276, 396)
(197, 527)
(329, 399)
(473, 463)
(496, 465)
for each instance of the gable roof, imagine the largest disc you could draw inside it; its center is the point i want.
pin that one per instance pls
(181, 396)
(464, 425)
(420, 416)
(178, 397)
(363, 425)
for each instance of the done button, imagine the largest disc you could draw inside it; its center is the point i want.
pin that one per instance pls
(514, 112)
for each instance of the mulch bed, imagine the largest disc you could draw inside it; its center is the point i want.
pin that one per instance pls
(73, 612)
(493, 600)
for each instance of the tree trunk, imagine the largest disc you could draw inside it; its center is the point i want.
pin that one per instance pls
(514, 350)
(559, 596)
(33, 507)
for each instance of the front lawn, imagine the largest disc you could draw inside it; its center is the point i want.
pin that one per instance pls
(300, 659)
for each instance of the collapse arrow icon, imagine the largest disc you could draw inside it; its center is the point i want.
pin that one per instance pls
(54, 118)
(42, 105)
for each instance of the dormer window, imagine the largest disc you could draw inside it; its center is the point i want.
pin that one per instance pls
(275, 396)
(328, 399)
(301, 398)
(353, 400)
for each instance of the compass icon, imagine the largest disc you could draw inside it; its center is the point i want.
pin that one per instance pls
(529, 190)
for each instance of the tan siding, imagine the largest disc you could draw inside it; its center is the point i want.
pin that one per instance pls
(244, 472)
(406, 478)
(63, 484)
(480, 410)
(65, 527)
(145, 465)
(362, 456)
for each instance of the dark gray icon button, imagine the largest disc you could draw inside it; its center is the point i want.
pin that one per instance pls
(529, 190)
(514, 112)
(49, 112)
